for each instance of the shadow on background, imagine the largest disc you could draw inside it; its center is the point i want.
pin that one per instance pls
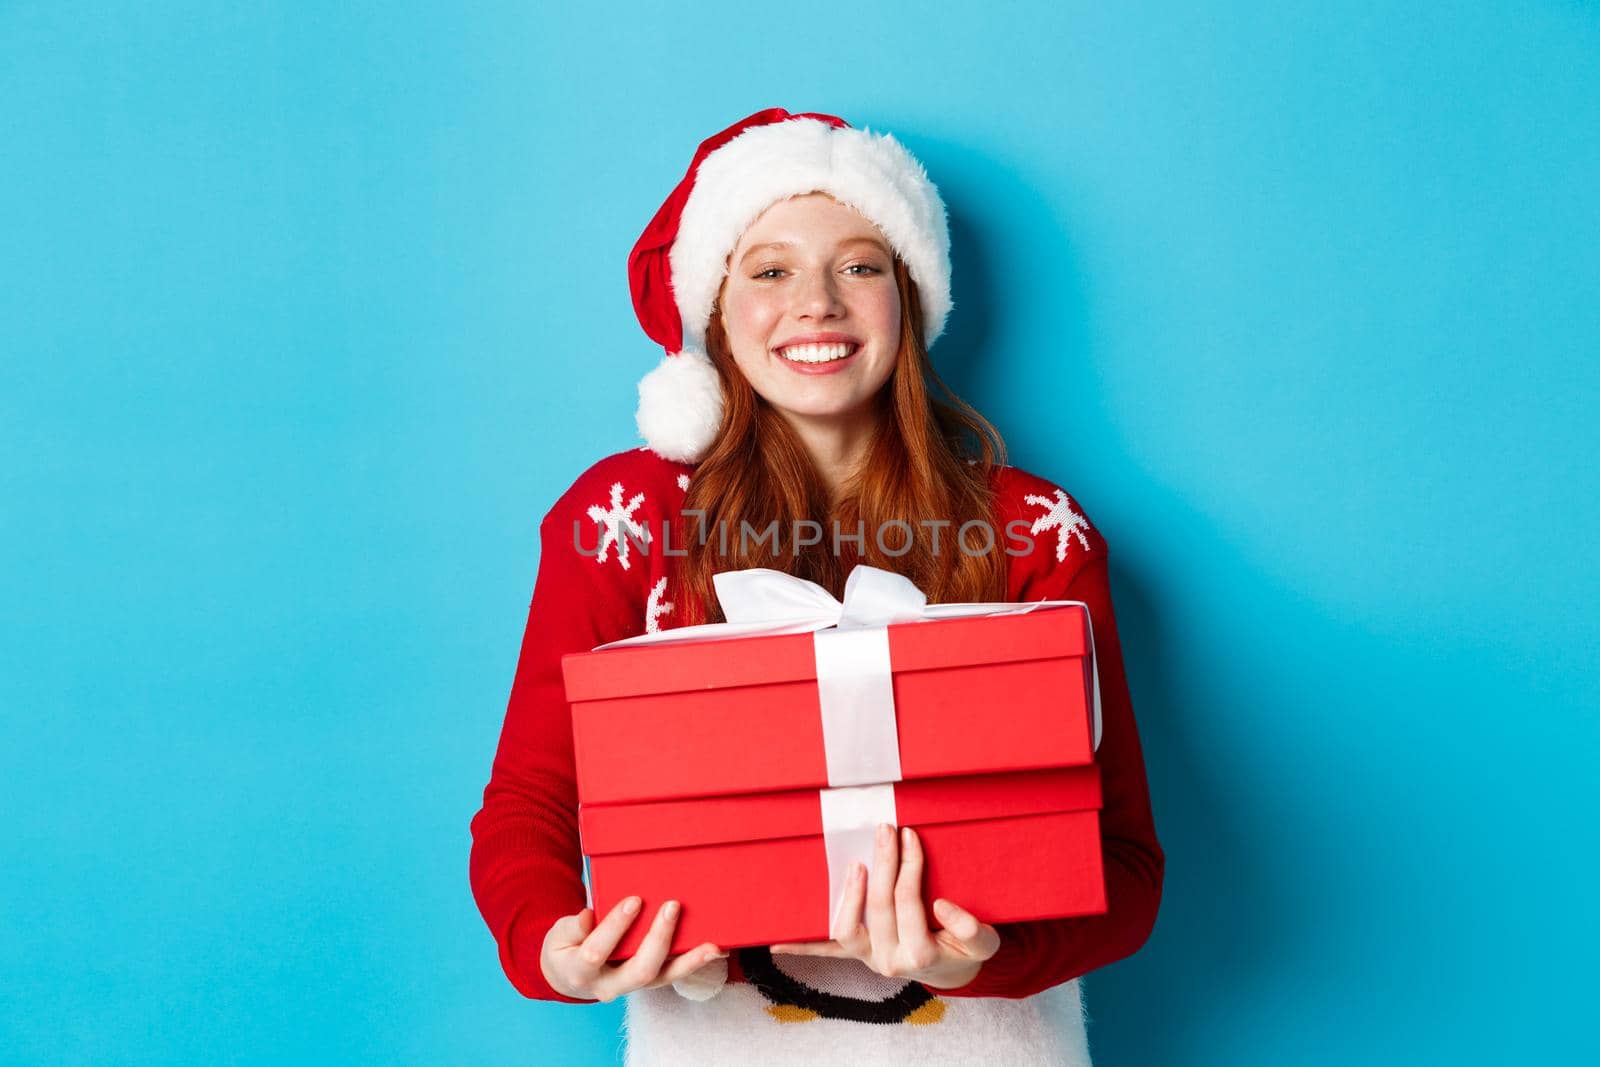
(1223, 922)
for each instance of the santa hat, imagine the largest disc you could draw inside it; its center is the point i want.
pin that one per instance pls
(678, 264)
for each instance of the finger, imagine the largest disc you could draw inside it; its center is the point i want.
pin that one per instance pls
(848, 930)
(855, 938)
(646, 962)
(911, 921)
(683, 965)
(602, 940)
(810, 948)
(977, 939)
(880, 894)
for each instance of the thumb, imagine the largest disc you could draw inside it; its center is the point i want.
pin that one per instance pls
(570, 930)
(978, 938)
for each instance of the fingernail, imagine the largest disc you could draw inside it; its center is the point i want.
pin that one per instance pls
(670, 909)
(905, 836)
(885, 835)
(630, 905)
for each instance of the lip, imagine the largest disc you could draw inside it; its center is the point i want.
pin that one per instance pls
(833, 367)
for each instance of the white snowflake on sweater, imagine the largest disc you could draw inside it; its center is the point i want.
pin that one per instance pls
(618, 519)
(654, 608)
(1059, 517)
(683, 481)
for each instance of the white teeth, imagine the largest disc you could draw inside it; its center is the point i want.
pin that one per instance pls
(816, 353)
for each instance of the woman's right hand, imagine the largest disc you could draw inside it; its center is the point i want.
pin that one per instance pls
(575, 953)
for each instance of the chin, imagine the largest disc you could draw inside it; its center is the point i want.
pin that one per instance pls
(827, 411)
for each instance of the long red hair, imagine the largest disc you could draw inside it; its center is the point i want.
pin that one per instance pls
(916, 468)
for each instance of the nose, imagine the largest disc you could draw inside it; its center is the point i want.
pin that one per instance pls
(819, 296)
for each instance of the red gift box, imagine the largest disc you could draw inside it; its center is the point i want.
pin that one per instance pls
(704, 775)
(978, 694)
(753, 870)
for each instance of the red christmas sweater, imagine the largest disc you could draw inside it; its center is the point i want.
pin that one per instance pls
(526, 865)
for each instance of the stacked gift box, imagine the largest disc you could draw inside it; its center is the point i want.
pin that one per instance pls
(740, 772)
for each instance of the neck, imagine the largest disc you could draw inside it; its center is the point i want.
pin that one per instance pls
(837, 445)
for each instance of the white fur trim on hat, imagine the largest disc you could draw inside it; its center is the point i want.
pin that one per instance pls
(870, 172)
(680, 406)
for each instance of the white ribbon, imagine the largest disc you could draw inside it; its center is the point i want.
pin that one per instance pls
(850, 818)
(855, 685)
(855, 690)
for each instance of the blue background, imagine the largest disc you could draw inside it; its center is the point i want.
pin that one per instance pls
(307, 316)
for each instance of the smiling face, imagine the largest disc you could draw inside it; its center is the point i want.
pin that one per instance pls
(811, 310)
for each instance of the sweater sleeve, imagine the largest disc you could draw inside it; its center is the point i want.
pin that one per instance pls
(1036, 955)
(525, 865)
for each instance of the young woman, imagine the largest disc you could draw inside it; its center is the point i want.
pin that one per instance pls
(796, 277)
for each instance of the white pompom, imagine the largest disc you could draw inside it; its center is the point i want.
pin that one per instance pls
(680, 407)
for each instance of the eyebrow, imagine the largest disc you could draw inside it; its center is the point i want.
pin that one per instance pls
(872, 241)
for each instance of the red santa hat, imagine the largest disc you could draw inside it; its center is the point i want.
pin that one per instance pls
(678, 263)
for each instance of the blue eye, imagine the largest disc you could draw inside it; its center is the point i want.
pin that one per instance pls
(869, 268)
(769, 270)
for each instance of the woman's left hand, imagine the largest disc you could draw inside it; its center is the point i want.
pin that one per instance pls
(895, 939)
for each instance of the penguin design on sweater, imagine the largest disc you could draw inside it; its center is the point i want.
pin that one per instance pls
(801, 989)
